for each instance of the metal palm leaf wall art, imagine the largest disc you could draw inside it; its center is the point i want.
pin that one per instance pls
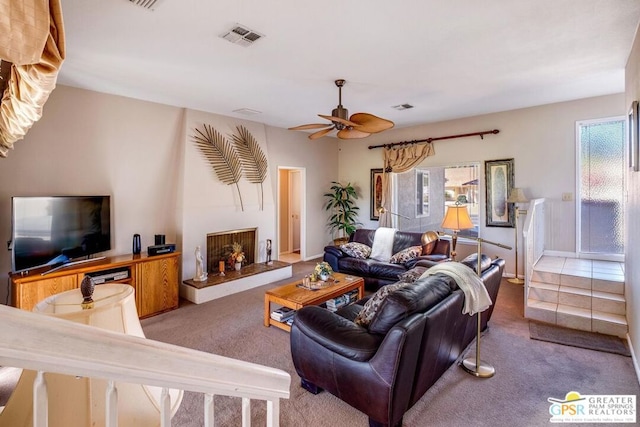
(252, 158)
(230, 160)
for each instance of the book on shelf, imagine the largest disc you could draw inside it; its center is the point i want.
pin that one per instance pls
(282, 314)
(342, 300)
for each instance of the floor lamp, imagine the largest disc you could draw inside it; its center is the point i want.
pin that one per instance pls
(517, 196)
(474, 365)
(456, 219)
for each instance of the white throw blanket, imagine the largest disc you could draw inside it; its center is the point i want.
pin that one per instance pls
(382, 248)
(476, 297)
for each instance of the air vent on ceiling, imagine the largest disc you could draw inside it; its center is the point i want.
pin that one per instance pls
(240, 34)
(147, 4)
(401, 107)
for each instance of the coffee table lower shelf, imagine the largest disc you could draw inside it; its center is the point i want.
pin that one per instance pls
(295, 297)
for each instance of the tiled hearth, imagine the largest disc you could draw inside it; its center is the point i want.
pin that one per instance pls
(579, 294)
(251, 276)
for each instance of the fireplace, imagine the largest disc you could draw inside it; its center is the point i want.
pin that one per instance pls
(219, 246)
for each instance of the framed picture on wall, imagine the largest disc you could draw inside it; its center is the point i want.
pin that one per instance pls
(499, 181)
(376, 193)
(633, 129)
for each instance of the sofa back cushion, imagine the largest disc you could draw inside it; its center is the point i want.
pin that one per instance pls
(472, 262)
(363, 235)
(406, 239)
(406, 300)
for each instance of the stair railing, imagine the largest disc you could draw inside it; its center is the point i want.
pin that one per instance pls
(534, 241)
(46, 344)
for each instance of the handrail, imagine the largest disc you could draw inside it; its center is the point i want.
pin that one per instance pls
(533, 232)
(44, 343)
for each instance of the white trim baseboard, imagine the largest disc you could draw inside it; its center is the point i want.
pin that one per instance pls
(634, 358)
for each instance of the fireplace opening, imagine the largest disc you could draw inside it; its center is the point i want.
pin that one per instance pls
(219, 246)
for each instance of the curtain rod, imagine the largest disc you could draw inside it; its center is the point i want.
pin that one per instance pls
(417, 141)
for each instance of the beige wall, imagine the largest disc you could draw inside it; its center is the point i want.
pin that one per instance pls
(90, 143)
(632, 255)
(541, 140)
(142, 155)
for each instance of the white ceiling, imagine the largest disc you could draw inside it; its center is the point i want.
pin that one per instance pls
(449, 59)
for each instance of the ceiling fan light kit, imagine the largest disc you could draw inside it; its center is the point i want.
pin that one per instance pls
(359, 125)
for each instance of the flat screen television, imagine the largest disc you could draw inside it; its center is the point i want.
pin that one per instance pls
(52, 231)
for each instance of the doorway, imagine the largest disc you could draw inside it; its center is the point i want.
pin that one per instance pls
(291, 214)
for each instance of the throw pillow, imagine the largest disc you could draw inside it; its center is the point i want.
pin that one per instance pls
(406, 255)
(356, 250)
(371, 307)
(412, 275)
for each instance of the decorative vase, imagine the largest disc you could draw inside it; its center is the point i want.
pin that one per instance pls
(238, 266)
(323, 276)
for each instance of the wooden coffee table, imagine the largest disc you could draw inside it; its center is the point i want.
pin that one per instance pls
(295, 297)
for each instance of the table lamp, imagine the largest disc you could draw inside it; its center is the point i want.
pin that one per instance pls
(456, 219)
(516, 196)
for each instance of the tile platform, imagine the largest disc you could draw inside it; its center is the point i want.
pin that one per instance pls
(579, 294)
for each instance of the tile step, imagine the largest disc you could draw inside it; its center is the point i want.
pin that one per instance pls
(606, 302)
(577, 318)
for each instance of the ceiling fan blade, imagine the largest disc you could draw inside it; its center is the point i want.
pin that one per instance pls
(311, 126)
(339, 120)
(352, 134)
(320, 133)
(370, 123)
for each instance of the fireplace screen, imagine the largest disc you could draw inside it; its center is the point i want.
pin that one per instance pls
(219, 246)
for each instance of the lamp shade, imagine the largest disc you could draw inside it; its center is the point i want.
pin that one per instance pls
(517, 196)
(457, 218)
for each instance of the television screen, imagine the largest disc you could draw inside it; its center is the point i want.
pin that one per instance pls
(55, 230)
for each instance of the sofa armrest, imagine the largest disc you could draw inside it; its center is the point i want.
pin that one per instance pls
(335, 333)
(331, 255)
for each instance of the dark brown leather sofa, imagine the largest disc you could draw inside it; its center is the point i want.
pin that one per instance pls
(383, 374)
(378, 273)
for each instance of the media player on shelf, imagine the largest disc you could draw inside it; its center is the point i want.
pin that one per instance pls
(161, 249)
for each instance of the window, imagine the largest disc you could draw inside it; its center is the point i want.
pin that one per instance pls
(421, 196)
(422, 193)
(601, 169)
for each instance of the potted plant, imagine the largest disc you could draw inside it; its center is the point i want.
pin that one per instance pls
(344, 212)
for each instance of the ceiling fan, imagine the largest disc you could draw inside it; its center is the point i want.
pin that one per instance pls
(359, 125)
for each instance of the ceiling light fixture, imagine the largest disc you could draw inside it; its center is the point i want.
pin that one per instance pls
(247, 111)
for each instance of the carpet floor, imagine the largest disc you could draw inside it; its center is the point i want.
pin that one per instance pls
(527, 371)
(582, 339)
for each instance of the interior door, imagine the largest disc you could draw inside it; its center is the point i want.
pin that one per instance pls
(294, 208)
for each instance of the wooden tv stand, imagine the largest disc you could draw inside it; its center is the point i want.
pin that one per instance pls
(155, 280)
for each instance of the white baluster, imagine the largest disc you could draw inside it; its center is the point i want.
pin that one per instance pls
(165, 408)
(208, 410)
(246, 412)
(273, 413)
(111, 405)
(40, 401)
